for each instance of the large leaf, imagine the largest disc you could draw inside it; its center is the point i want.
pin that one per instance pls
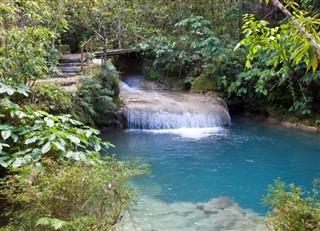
(6, 134)
(31, 140)
(74, 139)
(46, 148)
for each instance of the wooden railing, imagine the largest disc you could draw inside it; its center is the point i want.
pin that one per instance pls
(85, 46)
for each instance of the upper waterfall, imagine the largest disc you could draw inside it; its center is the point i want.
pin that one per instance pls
(150, 109)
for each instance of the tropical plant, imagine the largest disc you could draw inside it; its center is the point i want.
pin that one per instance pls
(28, 135)
(188, 52)
(306, 26)
(293, 208)
(69, 195)
(276, 64)
(51, 98)
(28, 32)
(97, 98)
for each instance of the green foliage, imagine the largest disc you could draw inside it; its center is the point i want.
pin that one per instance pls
(53, 62)
(224, 68)
(185, 54)
(28, 31)
(154, 75)
(69, 195)
(97, 97)
(51, 98)
(293, 208)
(23, 54)
(276, 64)
(27, 135)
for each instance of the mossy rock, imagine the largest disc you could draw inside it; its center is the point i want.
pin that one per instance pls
(202, 84)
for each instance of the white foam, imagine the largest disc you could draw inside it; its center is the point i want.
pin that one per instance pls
(190, 133)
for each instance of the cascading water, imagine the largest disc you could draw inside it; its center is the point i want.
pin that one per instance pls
(155, 110)
(166, 120)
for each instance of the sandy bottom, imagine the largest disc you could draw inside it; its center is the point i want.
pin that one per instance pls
(216, 215)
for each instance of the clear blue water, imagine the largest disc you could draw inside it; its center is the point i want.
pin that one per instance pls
(238, 161)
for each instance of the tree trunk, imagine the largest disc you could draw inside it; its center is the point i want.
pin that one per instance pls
(301, 29)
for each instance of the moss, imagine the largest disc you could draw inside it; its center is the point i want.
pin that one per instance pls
(202, 84)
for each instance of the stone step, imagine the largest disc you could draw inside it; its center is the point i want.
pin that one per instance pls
(71, 60)
(70, 69)
(77, 64)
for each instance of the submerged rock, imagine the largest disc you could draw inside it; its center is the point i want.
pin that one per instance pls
(218, 214)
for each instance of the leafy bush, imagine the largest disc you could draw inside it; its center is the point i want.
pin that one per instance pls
(97, 97)
(27, 135)
(22, 60)
(53, 62)
(154, 75)
(278, 61)
(69, 195)
(50, 97)
(185, 54)
(293, 208)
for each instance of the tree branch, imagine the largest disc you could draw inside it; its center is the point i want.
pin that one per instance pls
(301, 29)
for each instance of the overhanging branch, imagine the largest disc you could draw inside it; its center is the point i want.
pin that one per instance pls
(301, 29)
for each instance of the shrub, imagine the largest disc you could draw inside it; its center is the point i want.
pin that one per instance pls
(293, 208)
(27, 135)
(69, 195)
(97, 97)
(50, 97)
(155, 75)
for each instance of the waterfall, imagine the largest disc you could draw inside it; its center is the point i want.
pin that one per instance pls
(156, 110)
(137, 119)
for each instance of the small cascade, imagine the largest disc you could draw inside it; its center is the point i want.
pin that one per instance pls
(157, 110)
(138, 119)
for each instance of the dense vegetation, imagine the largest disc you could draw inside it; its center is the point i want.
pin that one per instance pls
(254, 52)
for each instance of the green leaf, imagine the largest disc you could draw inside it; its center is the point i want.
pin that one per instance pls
(46, 148)
(50, 122)
(20, 114)
(248, 64)
(31, 140)
(4, 145)
(59, 146)
(6, 134)
(52, 223)
(43, 221)
(21, 160)
(88, 133)
(3, 164)
(6, 89)
(97, 147)
(74, 139)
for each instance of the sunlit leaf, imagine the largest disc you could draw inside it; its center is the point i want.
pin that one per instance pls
(31, 140)
(46, 148)
(5, 134)
(74, 139)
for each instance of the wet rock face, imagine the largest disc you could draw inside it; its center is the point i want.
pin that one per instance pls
(218, 214)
